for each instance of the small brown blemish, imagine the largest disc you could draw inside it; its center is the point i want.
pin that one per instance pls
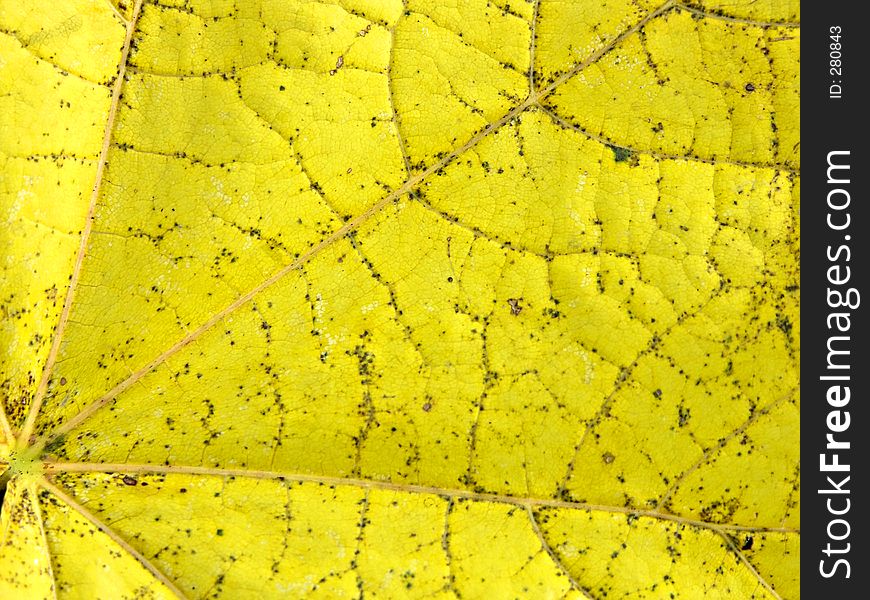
(427, 406)
(63, 380)
(514, 303)
(338, 64)
(749, 87)
(608, 458)
(129, 480)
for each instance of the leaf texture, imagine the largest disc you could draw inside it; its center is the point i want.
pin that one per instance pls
(371, 298)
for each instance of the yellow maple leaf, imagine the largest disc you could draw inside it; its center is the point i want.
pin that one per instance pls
(399, 299)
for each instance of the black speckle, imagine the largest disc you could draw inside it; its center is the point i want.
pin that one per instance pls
(620, 154)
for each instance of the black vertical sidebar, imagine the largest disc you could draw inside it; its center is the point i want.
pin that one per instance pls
(835, 225)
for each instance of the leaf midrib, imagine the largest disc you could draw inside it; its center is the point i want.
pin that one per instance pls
(411, 183)
(33, 412)
(724, 532)
(52, 467)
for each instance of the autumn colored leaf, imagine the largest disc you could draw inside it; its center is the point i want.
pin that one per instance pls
(385, 299)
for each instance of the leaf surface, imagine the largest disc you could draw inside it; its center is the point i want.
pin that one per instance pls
(383, 299)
